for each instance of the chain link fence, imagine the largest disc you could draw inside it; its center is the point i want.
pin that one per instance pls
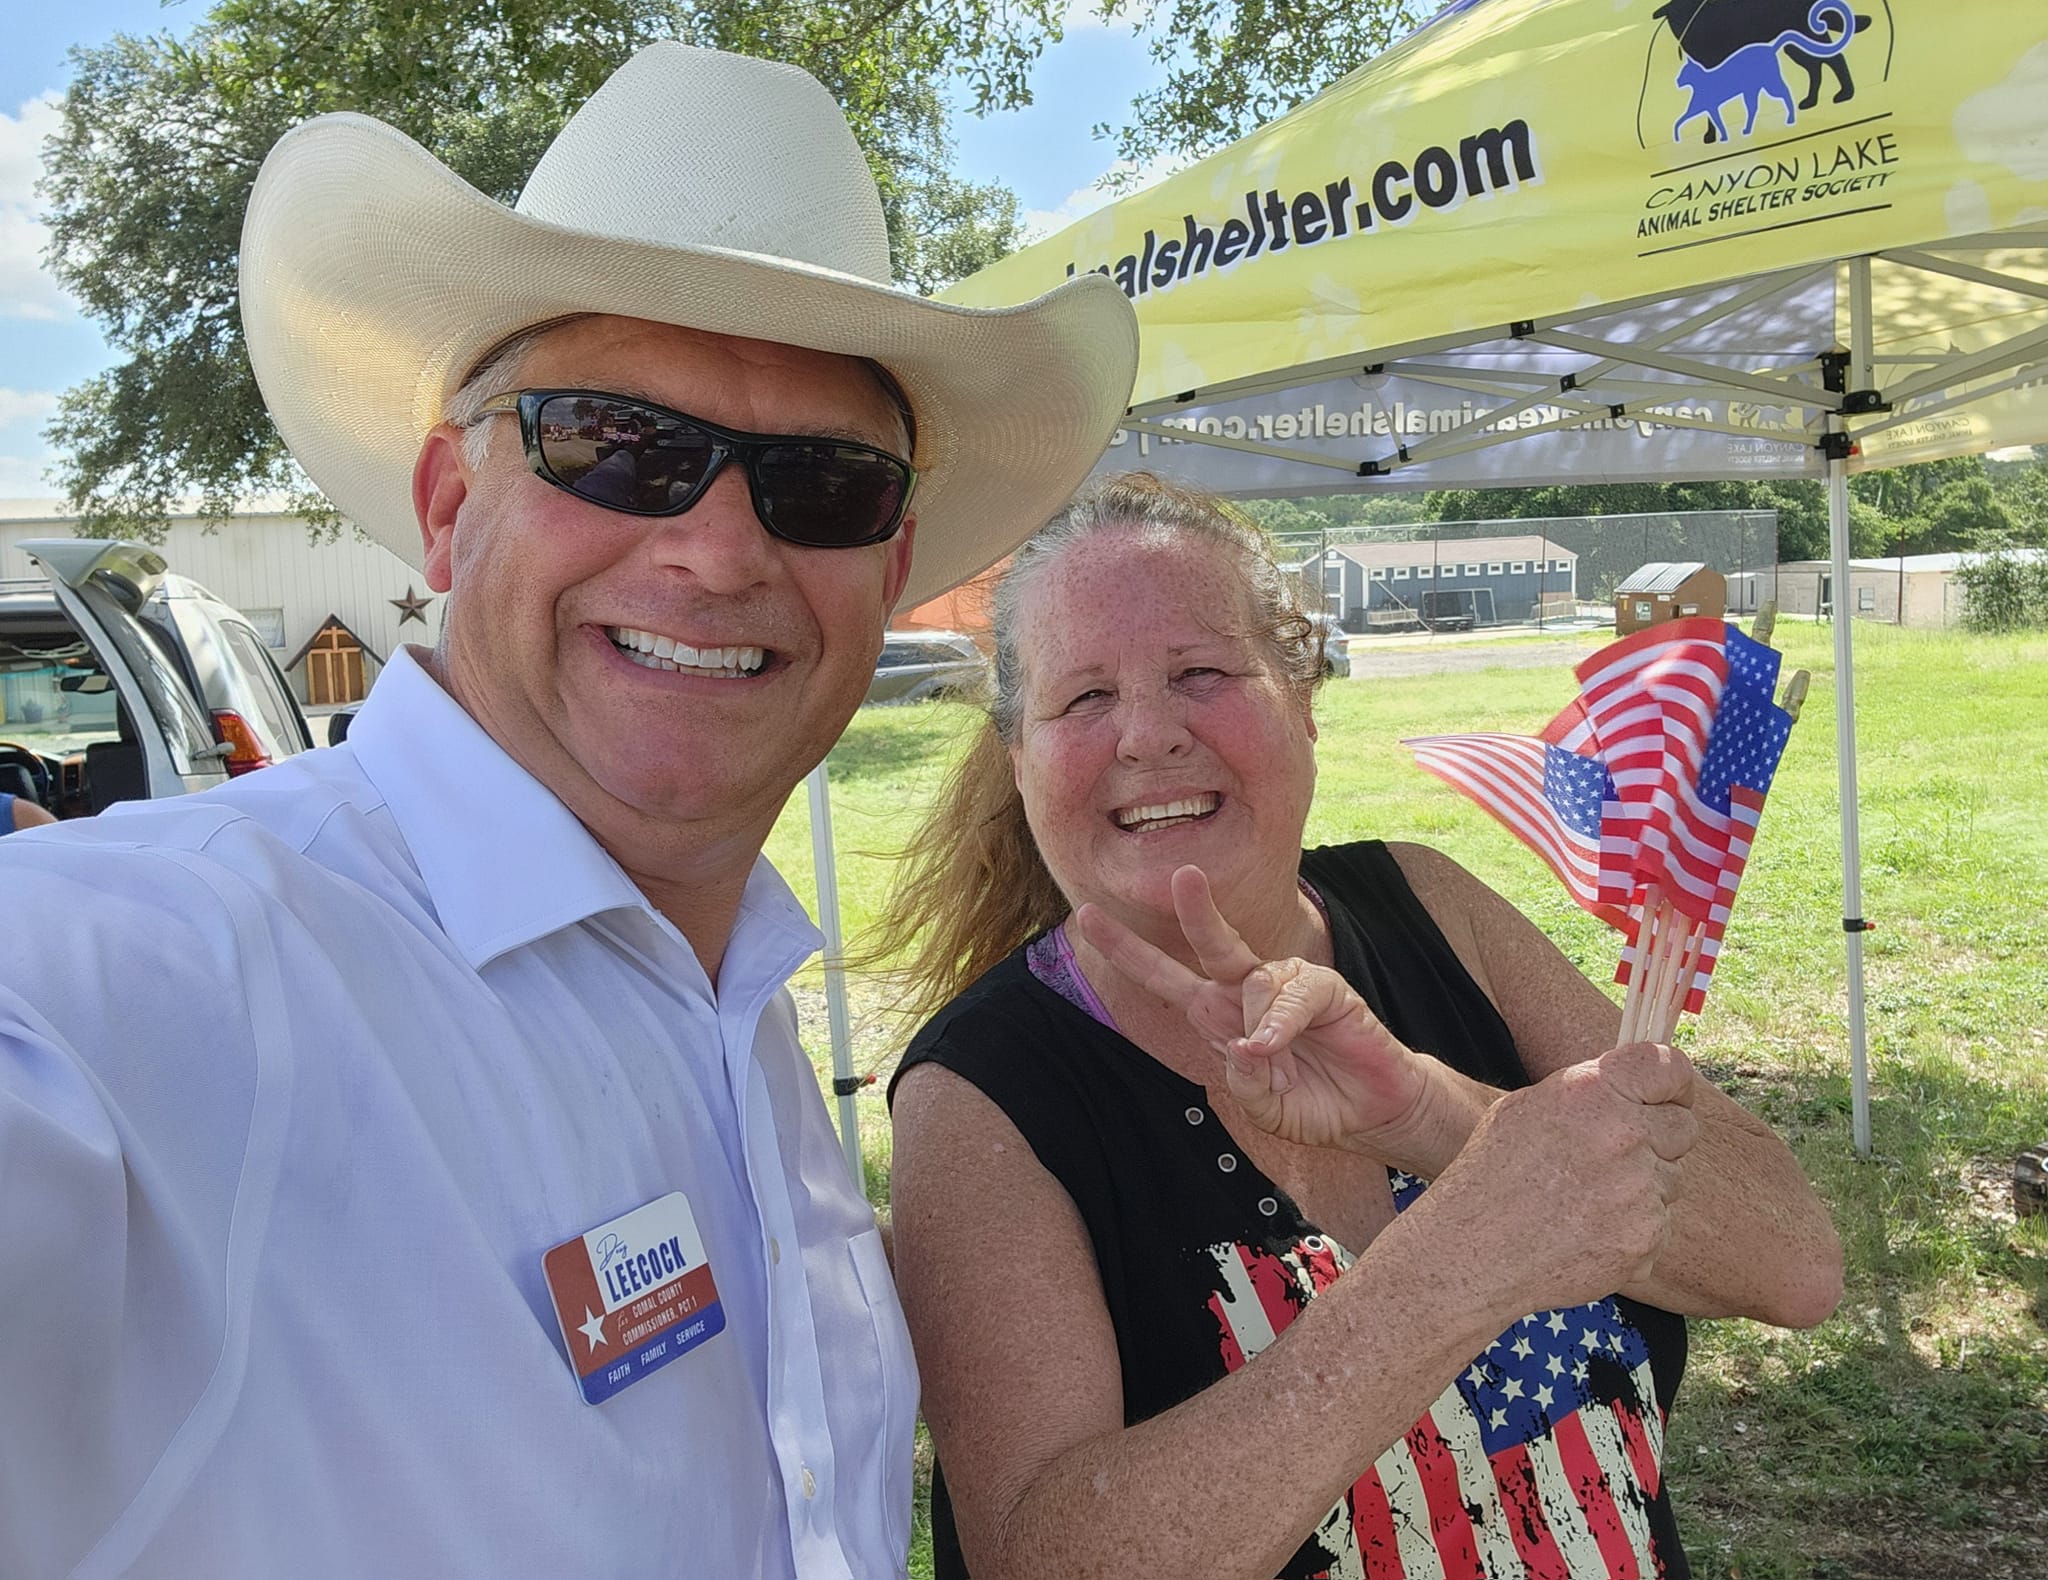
(1536, 572)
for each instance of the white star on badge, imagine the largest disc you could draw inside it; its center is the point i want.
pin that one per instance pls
(1500, 1419)
(1475, 1376)
(1543, 1397)
(1556, 1323)
(1555, 1366)
(1591, 1340)
(1522, 1348)
(592, 1328)
(1579, 1372)
(1513, 1389)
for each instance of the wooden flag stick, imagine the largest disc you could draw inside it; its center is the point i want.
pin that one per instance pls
(1653, 927)
(1632, 995)
(1688, 967)
(1795, 692)
(1670, 944)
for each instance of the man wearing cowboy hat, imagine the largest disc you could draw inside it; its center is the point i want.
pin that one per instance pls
(407, 1163)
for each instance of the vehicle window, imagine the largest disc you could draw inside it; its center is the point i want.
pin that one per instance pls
(186, 731)
(44, 701)
(280, 720)
(897, 653)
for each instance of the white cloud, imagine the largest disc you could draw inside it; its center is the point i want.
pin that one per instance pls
(26, 405)
(1040, 223)
(21, 477)
(26, 289)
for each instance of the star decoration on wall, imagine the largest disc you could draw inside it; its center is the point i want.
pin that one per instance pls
(412, 606)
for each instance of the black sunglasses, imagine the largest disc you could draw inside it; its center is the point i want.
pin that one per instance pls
(645, 460)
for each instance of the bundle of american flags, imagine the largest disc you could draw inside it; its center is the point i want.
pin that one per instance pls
(1643, 795)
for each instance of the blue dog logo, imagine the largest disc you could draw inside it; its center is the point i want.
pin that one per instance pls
(1733, 51)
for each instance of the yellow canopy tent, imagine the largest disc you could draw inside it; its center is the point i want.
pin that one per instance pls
(1606, 239)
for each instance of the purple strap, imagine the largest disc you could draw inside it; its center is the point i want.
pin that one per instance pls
(1050, 957)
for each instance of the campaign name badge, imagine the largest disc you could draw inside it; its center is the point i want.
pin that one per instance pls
(632, 1295)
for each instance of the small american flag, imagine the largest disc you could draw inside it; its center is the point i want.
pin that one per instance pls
(1550, 799)
(1655, 774)
(1716, 813)
(1650, 701)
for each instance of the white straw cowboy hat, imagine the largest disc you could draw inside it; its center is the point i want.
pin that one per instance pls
(696, 188)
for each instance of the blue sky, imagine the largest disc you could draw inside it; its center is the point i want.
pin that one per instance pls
(1045, 154)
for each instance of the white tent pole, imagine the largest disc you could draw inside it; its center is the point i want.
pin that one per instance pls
(843, 1084)
(1845, 765)
(1860, 377)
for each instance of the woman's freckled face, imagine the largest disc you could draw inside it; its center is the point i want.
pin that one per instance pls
(1153, 733)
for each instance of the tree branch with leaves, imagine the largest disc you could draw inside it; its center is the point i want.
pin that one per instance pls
(160, 139)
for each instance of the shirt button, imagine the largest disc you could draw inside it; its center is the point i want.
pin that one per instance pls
(774, 1251)
(810, 1483)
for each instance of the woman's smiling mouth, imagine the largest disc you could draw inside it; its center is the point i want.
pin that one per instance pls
(1165, 814)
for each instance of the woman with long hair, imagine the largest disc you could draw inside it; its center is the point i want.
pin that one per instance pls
(1267, 1212)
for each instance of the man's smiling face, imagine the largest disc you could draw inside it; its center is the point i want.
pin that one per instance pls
(687, 669)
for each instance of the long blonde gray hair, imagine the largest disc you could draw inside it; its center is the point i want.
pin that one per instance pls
(972, 886)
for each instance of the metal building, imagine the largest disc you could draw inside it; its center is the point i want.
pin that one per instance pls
(1446, 583)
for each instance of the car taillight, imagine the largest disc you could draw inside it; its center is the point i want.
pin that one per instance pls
(245, 751)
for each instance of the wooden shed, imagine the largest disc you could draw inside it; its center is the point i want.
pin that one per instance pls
(1669, 590)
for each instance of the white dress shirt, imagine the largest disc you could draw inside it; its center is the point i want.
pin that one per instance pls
(299, 1079)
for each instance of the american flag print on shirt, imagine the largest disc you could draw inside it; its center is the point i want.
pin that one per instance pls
(1540, 1461)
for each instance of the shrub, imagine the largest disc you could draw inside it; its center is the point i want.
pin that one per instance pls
(2005, 589)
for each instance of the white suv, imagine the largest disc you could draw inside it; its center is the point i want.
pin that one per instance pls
(122, 682)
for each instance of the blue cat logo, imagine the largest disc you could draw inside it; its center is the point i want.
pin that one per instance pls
(1734, 52)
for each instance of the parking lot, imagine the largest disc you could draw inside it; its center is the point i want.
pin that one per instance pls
(1386, 657)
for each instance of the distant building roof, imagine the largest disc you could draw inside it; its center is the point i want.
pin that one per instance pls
(1661, 576)
(14, 511)
(35, 510)
(1422, 551)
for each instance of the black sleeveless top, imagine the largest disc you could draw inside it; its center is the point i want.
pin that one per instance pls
(1542, 1460)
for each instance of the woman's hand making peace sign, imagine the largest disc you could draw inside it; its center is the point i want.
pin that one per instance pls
(1302, 1053)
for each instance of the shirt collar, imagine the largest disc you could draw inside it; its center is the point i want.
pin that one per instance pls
(504, 860)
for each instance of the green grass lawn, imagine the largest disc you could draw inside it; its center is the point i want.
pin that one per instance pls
(1906, 1438)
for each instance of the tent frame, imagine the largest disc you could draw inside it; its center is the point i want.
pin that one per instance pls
(1837, 388)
